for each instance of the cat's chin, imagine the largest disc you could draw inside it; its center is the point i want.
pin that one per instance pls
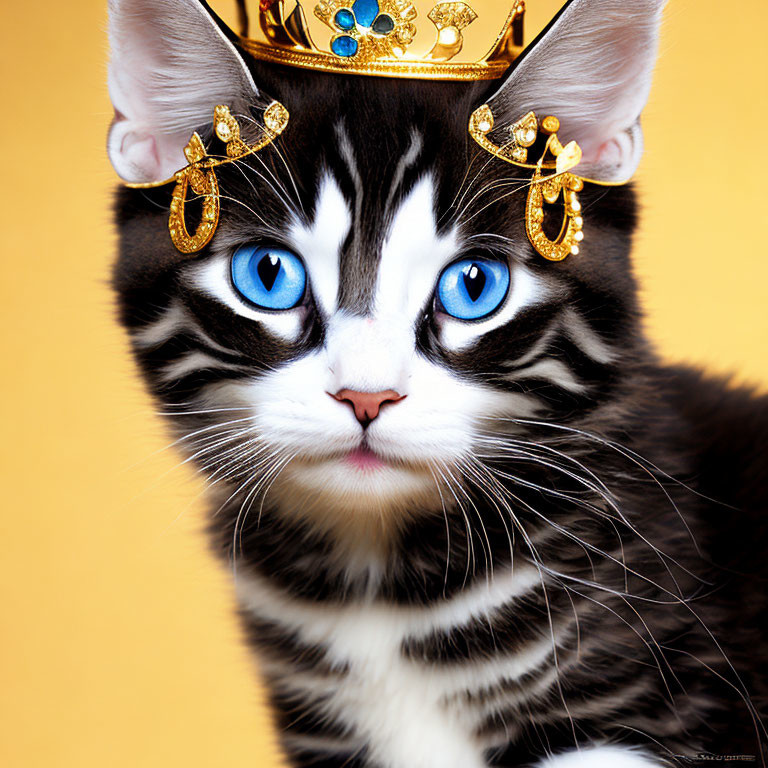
(355, 489)
(359, 481)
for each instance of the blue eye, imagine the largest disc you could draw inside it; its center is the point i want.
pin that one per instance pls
(473, 288)
(271, 278)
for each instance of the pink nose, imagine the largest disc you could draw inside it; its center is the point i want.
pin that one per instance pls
(367, 404)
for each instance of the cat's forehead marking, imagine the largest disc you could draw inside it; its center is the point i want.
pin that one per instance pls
(347, 153)
(412, 254)
(358, 270)
(407, 160)
(375, 183)
(321, 241)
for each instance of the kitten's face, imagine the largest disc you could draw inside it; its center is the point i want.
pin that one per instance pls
(420, 322)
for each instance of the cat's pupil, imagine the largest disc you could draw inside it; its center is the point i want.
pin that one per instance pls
(474, 282)
(268, 269)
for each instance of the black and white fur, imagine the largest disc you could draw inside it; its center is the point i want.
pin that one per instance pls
(562, 562)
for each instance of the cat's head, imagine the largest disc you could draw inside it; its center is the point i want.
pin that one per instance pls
(370, 318)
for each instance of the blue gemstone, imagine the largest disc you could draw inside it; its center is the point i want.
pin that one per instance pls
(344, 19)
(344, 45)
(365, 11)
(383, 25)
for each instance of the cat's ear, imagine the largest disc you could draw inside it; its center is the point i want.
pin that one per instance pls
(591, 68)
(170, 65)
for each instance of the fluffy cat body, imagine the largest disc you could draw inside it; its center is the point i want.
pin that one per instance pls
(555, 554)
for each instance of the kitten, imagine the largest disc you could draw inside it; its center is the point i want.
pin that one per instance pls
(457, 540)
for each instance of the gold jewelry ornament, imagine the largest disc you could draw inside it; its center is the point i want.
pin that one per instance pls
(204, 183)
(200, 173)
(450, 19)
(417, 39)
(552, 177)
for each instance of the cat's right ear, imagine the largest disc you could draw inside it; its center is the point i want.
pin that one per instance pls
(170, 65)
(591, 68)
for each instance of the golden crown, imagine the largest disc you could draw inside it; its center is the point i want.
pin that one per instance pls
(386, 38)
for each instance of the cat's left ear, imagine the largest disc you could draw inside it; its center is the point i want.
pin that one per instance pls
(591, 68)
(170, 65)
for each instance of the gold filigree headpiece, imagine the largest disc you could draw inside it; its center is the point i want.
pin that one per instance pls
(200, 173)
(552, 176)
(417, 39)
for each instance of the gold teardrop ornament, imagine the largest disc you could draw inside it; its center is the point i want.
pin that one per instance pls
(552, 177)
(205, 185)
(571, 234)
(200, 174)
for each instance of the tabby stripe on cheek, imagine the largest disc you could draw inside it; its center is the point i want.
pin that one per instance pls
(180, 355)
(173, 321)
(585, 337)
(577, 356)
(537, 349)
(181, 365)
(549, 369)
(193, 362)
(180, 392)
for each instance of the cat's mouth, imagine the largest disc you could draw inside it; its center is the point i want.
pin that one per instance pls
(360, 461)
(356, 479)
(364, 459)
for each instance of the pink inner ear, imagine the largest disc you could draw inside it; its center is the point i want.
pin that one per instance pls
(140, 156)
(141, 152)
(608, 154)
(133, 151)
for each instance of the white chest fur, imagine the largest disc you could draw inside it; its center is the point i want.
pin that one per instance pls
(407, 713)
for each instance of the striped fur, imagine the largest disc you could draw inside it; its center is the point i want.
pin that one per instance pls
(561, 562)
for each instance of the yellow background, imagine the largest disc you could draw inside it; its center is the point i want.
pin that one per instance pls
(118, 645)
